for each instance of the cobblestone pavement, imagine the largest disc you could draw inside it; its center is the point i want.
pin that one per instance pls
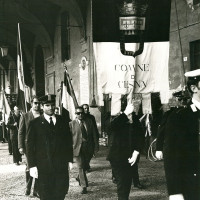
(12, 180)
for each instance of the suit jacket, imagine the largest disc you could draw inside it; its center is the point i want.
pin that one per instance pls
(181, 150)
(162, 126)
(125, 138)
(13, 129)
(92, 140)
(94, 122)
(49, 150)
(23, 128)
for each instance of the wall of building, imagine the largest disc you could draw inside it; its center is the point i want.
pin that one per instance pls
(185, 22)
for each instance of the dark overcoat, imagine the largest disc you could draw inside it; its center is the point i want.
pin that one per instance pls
(181, 152)
(23, 128)
(123, 142)
(50, 151)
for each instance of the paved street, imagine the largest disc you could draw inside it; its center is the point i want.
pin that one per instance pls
(12, 181)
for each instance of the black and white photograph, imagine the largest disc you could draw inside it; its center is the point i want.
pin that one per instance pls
(100, 99)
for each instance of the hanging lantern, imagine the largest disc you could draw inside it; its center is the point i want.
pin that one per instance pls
(4, 51)
(132, 24)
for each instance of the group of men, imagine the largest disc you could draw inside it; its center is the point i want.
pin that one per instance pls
(51, 146)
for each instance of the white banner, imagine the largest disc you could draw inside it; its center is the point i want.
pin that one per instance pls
(119, 74)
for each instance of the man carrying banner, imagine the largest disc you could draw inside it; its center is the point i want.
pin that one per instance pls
(127, 137)
(181, 146)
(22, 138)
(49, 150)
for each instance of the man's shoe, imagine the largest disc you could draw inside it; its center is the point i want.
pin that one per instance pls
(35, 194)
(17, 163)
(139, 186)
(84, 190)
(88, 170)
(27, 192)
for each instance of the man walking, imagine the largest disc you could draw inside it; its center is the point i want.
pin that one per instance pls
(83, 133)
(22, 138)
(181, 146)
(49, 150)
(92, 118)
(126, 142)
(13, 125)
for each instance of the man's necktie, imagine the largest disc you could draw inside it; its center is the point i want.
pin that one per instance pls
(83, 130)
(51, 122)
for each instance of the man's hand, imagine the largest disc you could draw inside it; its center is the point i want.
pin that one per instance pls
(70, 166)
(133, 159)
(129, 109)
(15, 124)
(21, 151)
(33, 172)
(159, 155)
(176, 197)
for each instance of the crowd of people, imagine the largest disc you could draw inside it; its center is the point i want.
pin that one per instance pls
(51, 147)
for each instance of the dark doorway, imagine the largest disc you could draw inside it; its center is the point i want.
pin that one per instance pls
(39, 72)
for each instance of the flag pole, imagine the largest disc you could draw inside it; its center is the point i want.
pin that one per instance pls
(71, 88)
(22, 67)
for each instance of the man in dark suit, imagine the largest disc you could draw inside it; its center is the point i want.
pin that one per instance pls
(181, 146)
(127, 136)
(49, 150)
(13, 125)
(92, 118)
(22, 138)
(84, 136)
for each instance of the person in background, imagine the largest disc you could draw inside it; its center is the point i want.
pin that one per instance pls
(13, 125)
(84, 136)
(181, 146)
(49, 151)
(56, 110)
(92, 118)
(22, 138)
(126, 143)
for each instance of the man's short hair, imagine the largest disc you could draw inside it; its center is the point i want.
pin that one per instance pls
(85, 104)
(34, 97)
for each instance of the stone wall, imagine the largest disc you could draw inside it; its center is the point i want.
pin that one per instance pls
(188, 23)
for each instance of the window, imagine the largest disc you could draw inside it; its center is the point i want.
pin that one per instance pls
(195, 55)
(65, 36)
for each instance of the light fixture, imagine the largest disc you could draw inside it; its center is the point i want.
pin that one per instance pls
(132, 24)
(4, 50)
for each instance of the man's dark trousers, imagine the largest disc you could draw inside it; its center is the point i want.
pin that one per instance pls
(124, 176)
(29, 181)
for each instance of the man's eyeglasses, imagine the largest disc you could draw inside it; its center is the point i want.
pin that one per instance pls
(79, 113)
(36, 103)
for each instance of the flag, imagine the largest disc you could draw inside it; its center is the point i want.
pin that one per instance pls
(24, 92)
(5, 107)
(69, 101)
(121, 74)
